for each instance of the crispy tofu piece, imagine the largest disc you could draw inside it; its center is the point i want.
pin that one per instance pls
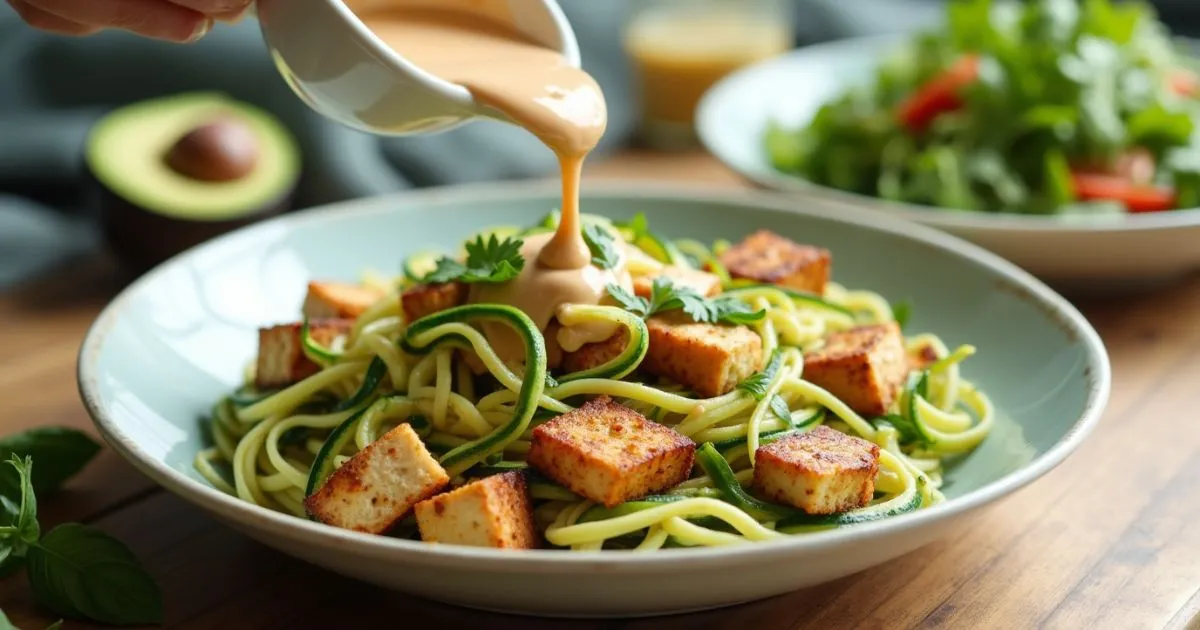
(769, 258)
(495, 511)
(380, 484)
(338, 299)
(427, 299)
(590, 355)
(865, 366)
(610, 453)
(704, 283)
(281, 360)
(709, 359)
(822, 471)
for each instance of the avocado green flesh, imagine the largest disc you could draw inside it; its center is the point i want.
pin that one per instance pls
(126, 151)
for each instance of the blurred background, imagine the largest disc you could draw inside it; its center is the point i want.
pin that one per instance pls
(53, 89)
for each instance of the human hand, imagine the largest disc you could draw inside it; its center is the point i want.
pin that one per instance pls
(171, 20)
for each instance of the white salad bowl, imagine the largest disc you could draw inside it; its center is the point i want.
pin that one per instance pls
(1073, 252)
(177, 339)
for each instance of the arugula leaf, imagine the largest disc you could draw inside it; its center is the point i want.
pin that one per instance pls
(602, 246)
(902, 312)
(490, 260)
(76, 570)
(60, 452)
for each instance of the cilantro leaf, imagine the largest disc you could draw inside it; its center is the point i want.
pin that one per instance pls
(60, 452)
(76, 570)
(602, 246)
(901, 312)
(488, 260)
(628, 301)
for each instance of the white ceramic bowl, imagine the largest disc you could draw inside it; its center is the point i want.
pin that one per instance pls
(340, 68)
(176, 340)
(1075, 253)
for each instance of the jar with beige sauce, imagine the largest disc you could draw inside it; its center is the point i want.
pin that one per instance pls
(680, 48)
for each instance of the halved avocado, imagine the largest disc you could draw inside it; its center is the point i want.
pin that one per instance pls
(176, 171)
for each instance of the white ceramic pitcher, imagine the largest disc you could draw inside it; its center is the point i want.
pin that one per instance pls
(343, 71)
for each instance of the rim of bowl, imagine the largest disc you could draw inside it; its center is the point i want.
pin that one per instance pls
(416, 552)
(713, 100)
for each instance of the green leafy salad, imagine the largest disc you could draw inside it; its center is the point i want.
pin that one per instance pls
(1039, 107)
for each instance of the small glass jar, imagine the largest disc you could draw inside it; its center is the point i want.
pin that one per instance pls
(680, 48)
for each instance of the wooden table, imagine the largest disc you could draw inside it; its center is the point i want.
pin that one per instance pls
(1111, 539)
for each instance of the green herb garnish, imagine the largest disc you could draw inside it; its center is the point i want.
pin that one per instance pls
(491, 260)
(665, 295)
(602, 246)
(756, 386)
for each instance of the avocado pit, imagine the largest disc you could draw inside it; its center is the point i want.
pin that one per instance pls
(222, 150)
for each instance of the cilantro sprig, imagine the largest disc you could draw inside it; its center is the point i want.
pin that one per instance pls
(757, 384)
(74, 570)
(602, 246)
(488, 260)
(665, 295)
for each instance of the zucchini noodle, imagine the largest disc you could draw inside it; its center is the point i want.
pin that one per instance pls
(476, 413)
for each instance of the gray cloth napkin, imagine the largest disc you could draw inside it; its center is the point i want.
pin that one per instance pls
(53, 88)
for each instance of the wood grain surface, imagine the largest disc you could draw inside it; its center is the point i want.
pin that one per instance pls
(1110, 539)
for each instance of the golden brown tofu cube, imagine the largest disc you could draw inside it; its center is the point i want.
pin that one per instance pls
(709, 359)
(338, 299)
(865, 366)
(495, 511)
(702, 282)
(380, 484)
(281, 360)
(590, 355)
(769, 258)
(426, 299)
(822, 471)
(610, 453)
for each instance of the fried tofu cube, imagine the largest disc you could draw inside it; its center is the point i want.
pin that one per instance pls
(594, 354)
(822, 471)
(281, 359)
(865, 366)
(610, 453)
(380, 484)
(495, 511)
(426, 299)
(338, 299)
(704, 283)
(709, 359)
(769, 258)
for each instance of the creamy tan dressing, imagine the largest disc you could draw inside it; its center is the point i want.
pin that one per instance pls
(563, 106)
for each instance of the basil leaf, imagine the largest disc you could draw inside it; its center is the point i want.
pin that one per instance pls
(79, 571)
(60, 453)
(27, 526)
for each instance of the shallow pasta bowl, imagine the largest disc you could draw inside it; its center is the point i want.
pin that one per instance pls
(1081, 253)
(176, 340)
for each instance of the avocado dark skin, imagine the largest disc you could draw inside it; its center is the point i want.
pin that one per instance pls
(221, 150)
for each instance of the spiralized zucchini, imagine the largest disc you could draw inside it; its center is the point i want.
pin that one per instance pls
(266, 446)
